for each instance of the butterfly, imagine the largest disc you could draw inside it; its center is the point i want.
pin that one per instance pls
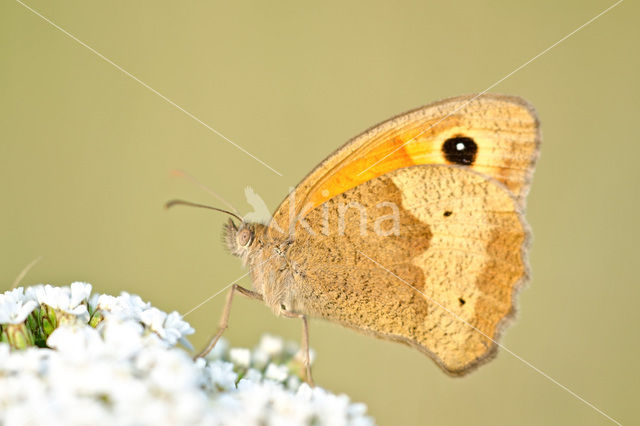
(412, 232)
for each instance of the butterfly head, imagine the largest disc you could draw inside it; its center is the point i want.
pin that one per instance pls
(239, 238)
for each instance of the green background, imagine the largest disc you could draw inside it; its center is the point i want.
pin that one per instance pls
(86, 151)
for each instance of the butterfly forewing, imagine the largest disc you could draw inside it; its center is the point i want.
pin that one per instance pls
(496, 135)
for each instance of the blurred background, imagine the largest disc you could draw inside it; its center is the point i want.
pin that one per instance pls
(86, 154)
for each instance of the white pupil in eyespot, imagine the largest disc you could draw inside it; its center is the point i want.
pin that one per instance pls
(460, 146)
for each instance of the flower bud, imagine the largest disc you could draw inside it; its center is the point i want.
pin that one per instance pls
(49, 319)
(96, 318)
(19, 336)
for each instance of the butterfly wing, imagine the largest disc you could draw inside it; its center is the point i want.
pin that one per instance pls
(442, 276)
(492, 134)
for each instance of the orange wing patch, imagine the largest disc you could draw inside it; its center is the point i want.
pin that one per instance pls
(495, 135)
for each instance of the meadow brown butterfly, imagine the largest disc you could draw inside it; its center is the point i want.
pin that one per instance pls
(412, 231)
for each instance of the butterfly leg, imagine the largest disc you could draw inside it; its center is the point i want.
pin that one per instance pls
(224, 320)
(305, 348)
(305, 345)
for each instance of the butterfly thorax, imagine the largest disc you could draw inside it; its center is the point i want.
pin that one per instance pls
(265, 256)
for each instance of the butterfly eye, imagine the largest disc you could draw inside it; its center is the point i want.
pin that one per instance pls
(460, 150)
(244, 237)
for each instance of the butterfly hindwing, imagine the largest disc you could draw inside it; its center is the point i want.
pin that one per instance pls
(445, 282)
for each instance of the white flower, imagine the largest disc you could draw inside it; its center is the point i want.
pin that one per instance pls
(93, 302)
(80, 293)
(279, 373)
(170, 327)
(293, 382)
(76, 341)
(260, 358)
(154, 319)
(16, 294)
(30, 292)
(272, 345)
(127, 371)
(240, 356)
(168, 370)
(176, 329)
(253, 375)
(29, 361)
(123, 337)
(106, 302)
(126, 305)
(268, 348)
(65, 299)
(221, 375)
(14, 307)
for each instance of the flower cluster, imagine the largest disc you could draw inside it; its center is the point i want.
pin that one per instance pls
(69, 357)
(27, 318)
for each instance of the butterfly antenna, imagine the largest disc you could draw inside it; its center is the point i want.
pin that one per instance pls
(204, 206)
(25, 271)
(183, 174)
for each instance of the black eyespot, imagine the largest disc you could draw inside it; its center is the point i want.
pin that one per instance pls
(462, 301)
(460, 150)
(448, 213)
(282, 307)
